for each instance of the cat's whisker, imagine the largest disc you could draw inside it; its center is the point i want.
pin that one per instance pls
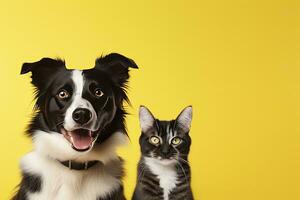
(182, 154)
(141, 174)
(187, 162)
(177, 151)
(186, 180)
(142, 168)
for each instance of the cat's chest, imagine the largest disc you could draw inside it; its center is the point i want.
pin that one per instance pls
(166, 174)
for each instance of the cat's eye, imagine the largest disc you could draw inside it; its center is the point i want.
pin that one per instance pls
(63, 94)
(154, 140)
(176, 141)
(98, 93)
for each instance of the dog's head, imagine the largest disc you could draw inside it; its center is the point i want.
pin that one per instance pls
(79, 109)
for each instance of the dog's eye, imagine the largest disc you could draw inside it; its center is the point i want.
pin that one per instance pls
(154, 140)
(176, 141)
(98, 93)
(63, 94)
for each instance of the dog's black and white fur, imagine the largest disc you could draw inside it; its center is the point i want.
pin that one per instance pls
(78, 120)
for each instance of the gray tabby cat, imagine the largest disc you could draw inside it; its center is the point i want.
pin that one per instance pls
(163, 170)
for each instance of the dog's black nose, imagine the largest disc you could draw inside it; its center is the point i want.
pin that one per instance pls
(82, 115)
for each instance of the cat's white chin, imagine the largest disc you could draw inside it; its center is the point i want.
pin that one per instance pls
(167, 161)
(161, 161)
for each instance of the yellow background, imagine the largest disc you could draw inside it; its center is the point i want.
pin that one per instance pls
(237, 62)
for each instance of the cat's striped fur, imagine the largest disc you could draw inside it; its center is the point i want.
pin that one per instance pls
(163, 170)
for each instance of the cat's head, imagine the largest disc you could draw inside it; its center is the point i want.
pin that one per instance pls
(168, 141)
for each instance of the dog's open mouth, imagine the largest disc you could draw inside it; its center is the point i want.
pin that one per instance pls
(81, 139)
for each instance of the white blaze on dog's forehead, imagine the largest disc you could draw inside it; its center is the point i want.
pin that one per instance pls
(78, 80)
(79, 102)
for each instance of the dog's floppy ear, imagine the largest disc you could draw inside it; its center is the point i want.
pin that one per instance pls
(116, 66)
(42, 70)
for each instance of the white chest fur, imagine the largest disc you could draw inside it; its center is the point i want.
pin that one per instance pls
(166, 174)
(60, 183)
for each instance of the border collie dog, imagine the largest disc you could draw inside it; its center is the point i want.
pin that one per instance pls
(77, 124)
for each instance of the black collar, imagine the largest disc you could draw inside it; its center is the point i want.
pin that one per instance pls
(77, 165)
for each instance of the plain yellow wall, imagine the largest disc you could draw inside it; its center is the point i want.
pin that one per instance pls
(237, 62)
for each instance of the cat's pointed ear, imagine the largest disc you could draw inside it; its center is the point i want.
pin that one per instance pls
(147, 120)
(116, 66)
(42, 70)
(184, 119)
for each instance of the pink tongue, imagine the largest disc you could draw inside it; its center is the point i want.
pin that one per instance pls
(81, 141)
